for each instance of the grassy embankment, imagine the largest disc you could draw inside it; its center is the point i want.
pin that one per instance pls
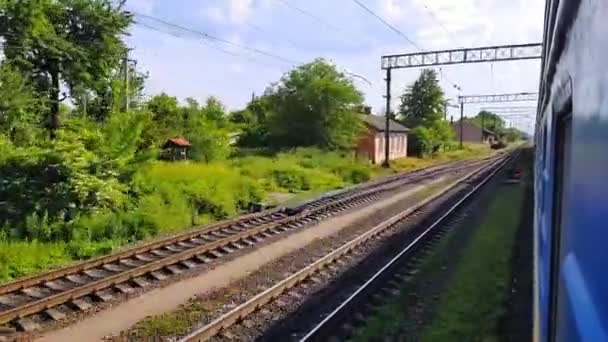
(176, 196)
(472, 303)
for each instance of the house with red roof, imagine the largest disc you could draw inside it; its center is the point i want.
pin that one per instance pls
(176, 148)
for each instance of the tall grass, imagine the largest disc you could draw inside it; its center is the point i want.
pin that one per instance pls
(168, 197)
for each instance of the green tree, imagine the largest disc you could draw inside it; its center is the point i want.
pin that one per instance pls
(422, 103)
(314, 105)
(242, 117)
(209, 142)
(259, 107)
(430, 140)
(490, 121)
(18, 105)
(111, 97)
(71, 43)
(512, 134)
(166, 112)
(215, 111)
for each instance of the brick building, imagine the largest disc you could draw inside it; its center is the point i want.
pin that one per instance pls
(371, 144)
(472, 133)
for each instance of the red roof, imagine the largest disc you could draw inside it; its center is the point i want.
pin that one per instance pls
(179, 141)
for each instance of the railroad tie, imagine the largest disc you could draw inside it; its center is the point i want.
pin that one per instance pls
(56, 286)
(140, 281)
(173, 248)
(26, 324)
(104, 295)
(158, 275)
(54, 314)
(124, 288)
(203, 259)
(188, 264)
(174, 269)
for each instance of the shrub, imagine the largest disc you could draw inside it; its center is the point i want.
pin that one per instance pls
(175, 195)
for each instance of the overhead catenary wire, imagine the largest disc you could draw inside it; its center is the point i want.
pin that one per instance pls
(218, 39)
(386, 23)
(397, 31)
(441, 24)
(310, 15)
(175, 34)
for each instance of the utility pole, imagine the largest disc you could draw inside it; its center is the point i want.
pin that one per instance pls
(483, 115)
(445, 110)
(388, 119)
(461, 118)
(127, 81)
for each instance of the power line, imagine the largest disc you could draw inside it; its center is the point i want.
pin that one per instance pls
(218, 39)
(387, 24)
(403, 35)
(436, 18)
(175, 34)
(310, 15)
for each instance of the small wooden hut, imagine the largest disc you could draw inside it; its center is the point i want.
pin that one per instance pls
(177, 148)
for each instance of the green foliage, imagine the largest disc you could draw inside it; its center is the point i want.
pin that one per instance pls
(21, 258)
(214, 111)
(429, 140)
(72, 42)
(422, 106)
(18, 107)
(489, 121)
(473, 303)
(314, 105)
(305, 169)
(422, 103)
(183, 193)
(512, 134)
(166, 113)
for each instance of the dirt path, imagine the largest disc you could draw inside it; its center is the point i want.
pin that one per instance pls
(157, 301)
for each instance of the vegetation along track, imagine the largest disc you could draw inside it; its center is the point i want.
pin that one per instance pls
(239, 313)
(136, 267)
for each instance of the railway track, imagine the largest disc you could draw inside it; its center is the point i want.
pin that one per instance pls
(79, 286)
(282, 288)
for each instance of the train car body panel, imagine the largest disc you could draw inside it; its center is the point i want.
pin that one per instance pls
(572, 175)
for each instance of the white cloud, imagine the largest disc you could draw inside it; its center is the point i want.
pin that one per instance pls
(393, 10)
(237, 12)
(240, 10)
(188, 68)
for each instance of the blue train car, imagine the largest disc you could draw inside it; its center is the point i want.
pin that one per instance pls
(571, 229)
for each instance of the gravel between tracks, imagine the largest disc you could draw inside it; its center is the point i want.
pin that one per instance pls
(167, 297)
(219, 301)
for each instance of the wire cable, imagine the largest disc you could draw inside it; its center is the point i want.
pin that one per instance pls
(403, 35)
(310, 15)
(218, 39)
(440, 23)
(387, 24)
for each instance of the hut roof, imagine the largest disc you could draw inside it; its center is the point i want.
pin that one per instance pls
(178, 141)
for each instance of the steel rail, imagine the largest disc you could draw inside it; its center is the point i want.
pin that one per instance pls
(327, 321)
(253, 304)
(38, 279)
(92, 287)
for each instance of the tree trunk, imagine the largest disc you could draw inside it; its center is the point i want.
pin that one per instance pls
(54, 97)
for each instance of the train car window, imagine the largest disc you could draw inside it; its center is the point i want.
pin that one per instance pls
(563, 134)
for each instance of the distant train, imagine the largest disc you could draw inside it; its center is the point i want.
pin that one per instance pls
(571, 168)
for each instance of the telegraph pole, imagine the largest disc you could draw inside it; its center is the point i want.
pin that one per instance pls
(388, 118)
(461, 118)
(483, 115)
(127, 81)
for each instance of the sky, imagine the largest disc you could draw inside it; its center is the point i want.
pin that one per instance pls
(281, 34)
